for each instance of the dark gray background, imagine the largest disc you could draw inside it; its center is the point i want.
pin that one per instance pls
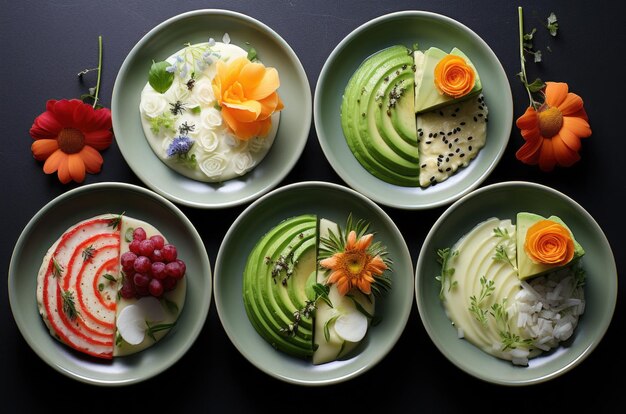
(44, 44)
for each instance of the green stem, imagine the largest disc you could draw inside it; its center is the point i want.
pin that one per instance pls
(95, 100)
(521, 54)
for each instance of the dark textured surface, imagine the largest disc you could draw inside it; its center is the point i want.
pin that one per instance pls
(44, 44)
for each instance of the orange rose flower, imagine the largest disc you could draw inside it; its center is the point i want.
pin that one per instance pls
(454, 77)
(549, 243)
(246, 92)
(553, 132)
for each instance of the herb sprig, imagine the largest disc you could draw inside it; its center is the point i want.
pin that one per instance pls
(445, 278)
(509, 339)
(321, 292)
(486, 289)
(69, 305)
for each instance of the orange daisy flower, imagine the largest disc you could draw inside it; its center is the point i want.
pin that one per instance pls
(69, 136)
(354, 267)
(553, 131)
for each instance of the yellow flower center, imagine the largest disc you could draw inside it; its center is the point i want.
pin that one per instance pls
(71, 140)
(550, 122)
(355, 263)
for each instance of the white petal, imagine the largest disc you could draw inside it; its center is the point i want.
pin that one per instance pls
(351, 326)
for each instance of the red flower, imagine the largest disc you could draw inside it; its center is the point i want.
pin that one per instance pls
(69, 136)
(553, 132)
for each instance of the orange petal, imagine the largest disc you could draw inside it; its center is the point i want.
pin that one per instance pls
(251, 75)
(351, 240)
(563, 154)
(76, 167)
(268, 105)
(231, 71)
(377, 265)
(529, 152)
(570, 139)
(243, 130)
(264, 127)
(529, 120)
(364, 286)
(343, 287)
(54, 160)
(266, 86)
(364, 242)
(335, 276)
(243, 112)
(556, 92)
(43, 148)
(571, 105)
(64, 171)
(92, 159)
(329, 262)
(577, 126)
(547, 161)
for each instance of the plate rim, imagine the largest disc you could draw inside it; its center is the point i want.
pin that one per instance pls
(306, 109)
(585, 352)
(220, 306)
(22, 324)
(353, 181)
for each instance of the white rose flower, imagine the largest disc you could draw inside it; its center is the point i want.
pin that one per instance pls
(178, 92)
(210, 118)
(256, 144)
(235, 143)
(153, 104)
(213, 166)
(203, 92)
(243, 162)
(209, 140)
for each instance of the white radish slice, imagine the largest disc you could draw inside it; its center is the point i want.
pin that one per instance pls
(351, 326)
(131, 322)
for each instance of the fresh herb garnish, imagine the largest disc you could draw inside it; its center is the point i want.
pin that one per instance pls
(88, 252)
(486, 289)
(69, 306)
(252, 55)
(321, 292)
(445, 278)
(164, 121)
(100, 287)
(152, 329)
(509, 339)
(171, 306)
(552, 25)
(115, 222)
(159, 77)
(185, 129)
(109, 277)
(57, 269)
(501, 255)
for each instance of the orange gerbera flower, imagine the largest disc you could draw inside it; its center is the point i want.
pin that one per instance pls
(246, 92)
(354, 267)
(69, 136)
(552, 132)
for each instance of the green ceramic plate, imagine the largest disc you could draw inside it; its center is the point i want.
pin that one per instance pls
(334, 202)
(79, 204)
(505, 200)
(407, 28)
(166, 39)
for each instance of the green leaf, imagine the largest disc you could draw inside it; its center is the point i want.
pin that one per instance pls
(159, 78)
(110, 277)
(552, 25)
(252, 55)
(536, 85)
(171, 306)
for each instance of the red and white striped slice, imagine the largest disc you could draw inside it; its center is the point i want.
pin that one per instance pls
(75, 267)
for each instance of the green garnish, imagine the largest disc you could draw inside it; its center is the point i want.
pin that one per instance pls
(109, 277)
(509, 339)
(57, 269)
(252, 55)
(501, 255)
(171, 306)
(164, 121)
(69, 306)
(88, 252)
(115, 221)
(152, 329)
(445, 278)
(486, 289)
(159, 77)
(504, 233)
(321, 292)
(553, 25)
(100, 287)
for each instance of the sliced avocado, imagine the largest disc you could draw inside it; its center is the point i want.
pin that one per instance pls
(373, 116)
(427, 96)
(527, 268)
(272, 292)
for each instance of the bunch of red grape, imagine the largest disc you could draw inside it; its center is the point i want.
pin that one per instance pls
(150, 267)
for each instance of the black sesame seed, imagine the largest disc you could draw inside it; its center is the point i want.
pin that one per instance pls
(428, 142)
(463, 123)
(440, 170)
(469, 148)
(421, 134)
(448, 169)
(480, 107)
(453, 114)
(451, 154)
(441, 113)
(470, 138)
(449, 133)
(475, 119)
(450, 146)
(423, 165)
(462, 155)
(430, 135)
(458, 150)
(442, 133)
(456, 140)
(480, 114)
(447, 159)
(419, 129)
